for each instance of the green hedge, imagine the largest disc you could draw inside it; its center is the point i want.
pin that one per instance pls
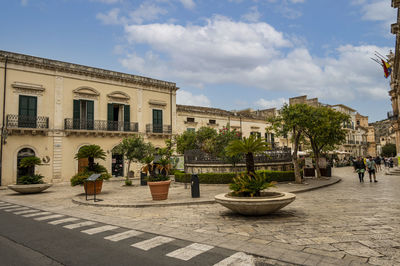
(226, 178)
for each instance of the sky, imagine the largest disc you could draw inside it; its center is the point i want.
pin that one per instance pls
(229, 54)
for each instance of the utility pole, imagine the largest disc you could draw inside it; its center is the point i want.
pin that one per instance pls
(3, 129)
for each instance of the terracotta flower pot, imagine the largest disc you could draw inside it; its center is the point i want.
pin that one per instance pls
(159, 190)
(89, 187)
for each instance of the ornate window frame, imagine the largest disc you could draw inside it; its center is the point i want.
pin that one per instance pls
(118, 96)
(85, 92)
(28, 88)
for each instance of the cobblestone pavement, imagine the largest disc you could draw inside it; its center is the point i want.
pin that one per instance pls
(349, 223)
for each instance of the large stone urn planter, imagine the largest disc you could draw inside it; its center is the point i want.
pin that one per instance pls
(159, 190)
(256, 206)
(29, 189)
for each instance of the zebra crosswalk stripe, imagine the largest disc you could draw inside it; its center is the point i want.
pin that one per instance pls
(16, 209)
(9, 207)
(99, 229)
(82, 224)
(49, 217)
(123, 235)
(190, 251)
(24, 212)
(36, 214)
(152, 243)
(62, 221)
(238, 258)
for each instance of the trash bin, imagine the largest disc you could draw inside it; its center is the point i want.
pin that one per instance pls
(143, 179)
(195, 186)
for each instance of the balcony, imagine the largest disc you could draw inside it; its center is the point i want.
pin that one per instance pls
(158, 129)
(351, 142)
(27, 124)
(392, 116)
(99, 127)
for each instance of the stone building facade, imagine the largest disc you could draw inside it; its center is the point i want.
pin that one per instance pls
(51, 109)
(248, 121)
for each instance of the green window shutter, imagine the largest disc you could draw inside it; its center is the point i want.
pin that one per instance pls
(76, 114)
(110, 116)
(90, 114)
(27, 111)
(127, 117)
(157, 121)
(273, 140)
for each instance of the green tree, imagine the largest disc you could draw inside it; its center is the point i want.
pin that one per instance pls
(186, 141)
(323, 128)
(134, 149)
(91, 152)
(247, 146)
(291, 121)
(204, 135)
(389, 150)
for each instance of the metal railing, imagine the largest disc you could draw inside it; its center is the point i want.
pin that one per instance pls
(100, 125)
(392, 116)
(350, 142)
(23, 121)
(275, 155)
(151, 128)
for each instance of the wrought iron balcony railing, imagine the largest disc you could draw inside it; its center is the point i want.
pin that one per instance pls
(151, 128)
(23, 121)
(100, 125)
(351, 142)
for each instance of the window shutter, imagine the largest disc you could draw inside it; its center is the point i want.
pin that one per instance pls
(110, 116)
(127, 117)
(76, 116)
(90, 114)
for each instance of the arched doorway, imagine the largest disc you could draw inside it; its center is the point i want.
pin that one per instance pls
(25, 152)
(117, 165)
(82, 163)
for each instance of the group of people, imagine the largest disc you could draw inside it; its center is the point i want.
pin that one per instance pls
(372, 165)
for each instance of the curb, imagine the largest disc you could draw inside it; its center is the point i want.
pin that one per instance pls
(145, 205)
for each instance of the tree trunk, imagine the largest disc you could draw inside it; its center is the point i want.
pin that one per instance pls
(316, 155)
(250, 163)
(129, 167)
(297, 175)
(91, 163)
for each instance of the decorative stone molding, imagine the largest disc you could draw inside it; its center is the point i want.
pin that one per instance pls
(48, 64)
(119, 96)
(28, 88)
(158, 104)
(86, 92)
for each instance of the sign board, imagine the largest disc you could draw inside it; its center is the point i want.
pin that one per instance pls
(308, 163)
(93, 177)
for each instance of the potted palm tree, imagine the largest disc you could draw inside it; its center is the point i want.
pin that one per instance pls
(30, 183)
(158, 173)
(247, 196)
(91, 152)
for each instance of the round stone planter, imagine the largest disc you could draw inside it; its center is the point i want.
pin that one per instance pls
(256, 206)
(159, 190)
(29, 189)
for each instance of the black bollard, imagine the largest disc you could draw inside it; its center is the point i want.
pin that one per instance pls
(195, 186)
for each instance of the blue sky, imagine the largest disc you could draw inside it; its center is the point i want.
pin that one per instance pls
(230, 54)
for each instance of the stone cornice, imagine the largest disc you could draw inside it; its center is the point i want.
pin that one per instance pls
(38, 62)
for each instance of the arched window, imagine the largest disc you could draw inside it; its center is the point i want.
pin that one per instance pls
(25, 152)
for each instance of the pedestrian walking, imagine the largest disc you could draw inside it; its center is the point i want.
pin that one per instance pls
(378, 163)
(359, 166)
(371, 166)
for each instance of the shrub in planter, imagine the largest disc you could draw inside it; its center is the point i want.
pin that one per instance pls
(30, 179)
(250, 185)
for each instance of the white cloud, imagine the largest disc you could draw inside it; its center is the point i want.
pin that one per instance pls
(24, 2)
(252, 55)
(189, 4)
(111, 18)
(377, 10)
(146, 12)
(276, 103)
(187, 98)
(253, 15)
(297, 1)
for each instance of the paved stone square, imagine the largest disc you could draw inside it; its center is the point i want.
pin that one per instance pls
(348, 223)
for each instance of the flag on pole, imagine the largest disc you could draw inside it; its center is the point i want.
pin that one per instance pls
(387, 68)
